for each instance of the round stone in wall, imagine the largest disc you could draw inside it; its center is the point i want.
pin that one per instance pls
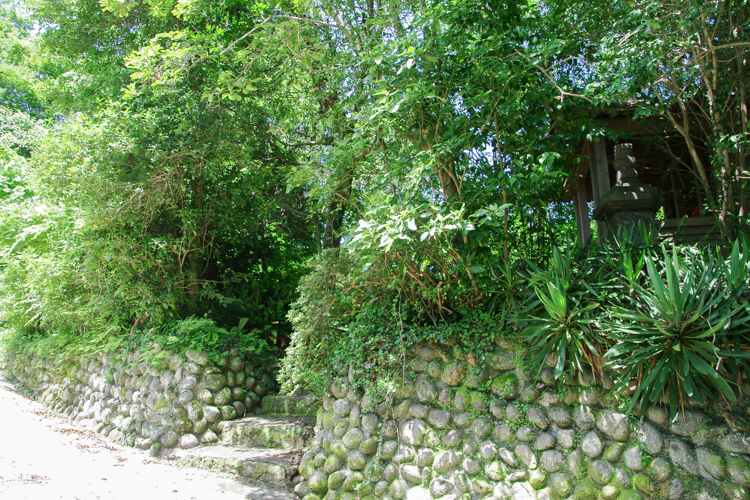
(440, 487)
(454, 374)
(591, 446)
(439, 419)
(445, 461)
(342, 407)
(188, 441)
(545, 441)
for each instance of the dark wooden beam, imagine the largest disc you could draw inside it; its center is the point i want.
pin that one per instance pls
(599, 170)
(580, 201)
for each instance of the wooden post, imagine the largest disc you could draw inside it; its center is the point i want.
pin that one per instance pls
(599, 169)
(582, 213)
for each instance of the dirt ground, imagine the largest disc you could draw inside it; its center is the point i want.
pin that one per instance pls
(45, 456)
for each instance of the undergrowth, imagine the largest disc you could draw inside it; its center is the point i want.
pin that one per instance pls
(675, 320)
(155, 345)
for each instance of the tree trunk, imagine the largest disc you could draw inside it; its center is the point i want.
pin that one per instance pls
(743, 173)
(195, 257)
(337, 211)
(447, 175)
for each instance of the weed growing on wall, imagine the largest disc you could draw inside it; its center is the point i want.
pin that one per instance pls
(156, 345)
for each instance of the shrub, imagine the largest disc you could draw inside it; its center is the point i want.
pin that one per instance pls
(680, 329)
(564, 320)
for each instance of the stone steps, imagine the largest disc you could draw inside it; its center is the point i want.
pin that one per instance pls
(261, 449)
(299, 406)
(268, 466)
(287, 432)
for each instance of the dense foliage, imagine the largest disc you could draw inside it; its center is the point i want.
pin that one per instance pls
(674, 322)
(173, 163)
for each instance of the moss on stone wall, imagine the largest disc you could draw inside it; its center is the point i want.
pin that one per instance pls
(456, 431)
(183, 404)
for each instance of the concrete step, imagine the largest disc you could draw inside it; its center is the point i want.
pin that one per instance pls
(264, 466)
(302, 406)
(270, 432)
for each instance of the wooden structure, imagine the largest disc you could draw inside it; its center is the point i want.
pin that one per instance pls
(661, 162)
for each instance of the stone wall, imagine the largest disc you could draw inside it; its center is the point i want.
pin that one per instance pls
(454, 431)
(183, 404)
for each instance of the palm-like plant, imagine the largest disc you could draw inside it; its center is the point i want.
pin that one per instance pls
(682, 327)
(565, 326)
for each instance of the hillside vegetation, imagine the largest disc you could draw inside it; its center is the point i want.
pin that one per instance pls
(332, 183)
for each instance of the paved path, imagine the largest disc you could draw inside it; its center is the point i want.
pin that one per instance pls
(45, 456)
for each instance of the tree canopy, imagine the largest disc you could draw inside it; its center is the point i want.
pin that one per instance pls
(171, 159)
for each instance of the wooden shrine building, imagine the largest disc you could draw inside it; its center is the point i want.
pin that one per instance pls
(645, 174)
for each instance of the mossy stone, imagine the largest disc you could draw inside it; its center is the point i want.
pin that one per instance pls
(180, 412)
(318, 482)
(586, 490)
(454, 374)
(336, 479)
(630, 495)
(739, 470)
(168, 421)
(169, 439)
(318, 461)
(356, 460)
(600, 471)
(236, 363)
(381, 488)
(341, 427)
(214, 381)
(332, 464)
(610, 492)
(398, 488)
(194, 410)
(329, 420)
(307, 467)
(338, 449)
(614, 452)
(352, 438)
(162, 407)
(735, 491)
(223, 397)
(366, 488)
(239, 393)
(538, 479)
(495, 471)
(369, 446)
(643, 483)
(172, 393)
(435, 369)
(481, 486)
(390, 472)
(609, 400)
(200, 426)
(206, 396)
(505, 386)
(327, 441)
(352, 481)
(374, 471)
(183, 425)
(228, 412)
(476, 378)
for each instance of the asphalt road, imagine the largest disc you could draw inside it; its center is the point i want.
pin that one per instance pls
(45, 456)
